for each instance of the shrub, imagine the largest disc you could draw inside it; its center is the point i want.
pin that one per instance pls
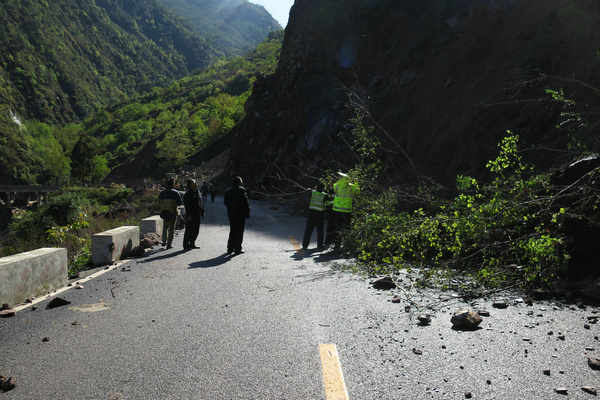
(66, 208)
(505, 230)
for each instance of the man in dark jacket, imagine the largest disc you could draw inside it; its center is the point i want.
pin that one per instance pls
(194, 209)
(238, 210)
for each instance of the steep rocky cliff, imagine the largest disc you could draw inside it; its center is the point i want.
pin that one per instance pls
(445, 79)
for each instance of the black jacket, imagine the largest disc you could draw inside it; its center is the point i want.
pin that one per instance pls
(236, 200)
(193, 203)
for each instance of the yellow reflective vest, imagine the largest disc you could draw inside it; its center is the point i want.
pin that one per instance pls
(317, 201)
(344, 193)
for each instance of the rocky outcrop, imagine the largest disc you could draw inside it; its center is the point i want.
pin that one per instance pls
(444, 79)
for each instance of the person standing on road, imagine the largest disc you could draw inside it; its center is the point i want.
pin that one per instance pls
(341, 214)
(238, 210)
(318, 200)
(194, 210)
(204, 191)
(169, 199)
(213, 191)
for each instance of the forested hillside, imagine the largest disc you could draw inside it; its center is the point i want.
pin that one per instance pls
(62, 60)
(146, 135)
(233, 26)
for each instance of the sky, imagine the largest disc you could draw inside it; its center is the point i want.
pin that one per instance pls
(279, 9)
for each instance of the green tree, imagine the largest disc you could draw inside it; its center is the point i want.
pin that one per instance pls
(175, 148)
(99, 168)
(54, 165)
(82, 158)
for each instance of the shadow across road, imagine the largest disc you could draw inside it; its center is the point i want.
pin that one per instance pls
(159, 255)
(213, 262)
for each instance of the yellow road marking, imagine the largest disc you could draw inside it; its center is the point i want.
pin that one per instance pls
(335, 387)
(271, 218)
(295, 243)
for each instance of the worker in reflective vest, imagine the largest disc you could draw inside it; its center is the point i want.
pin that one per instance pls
(318, 200)
(341, 214)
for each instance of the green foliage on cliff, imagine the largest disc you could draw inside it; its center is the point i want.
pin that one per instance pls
(502, 231)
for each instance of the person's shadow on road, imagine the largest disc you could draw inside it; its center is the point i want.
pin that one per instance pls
(150, 255)
(213, 262)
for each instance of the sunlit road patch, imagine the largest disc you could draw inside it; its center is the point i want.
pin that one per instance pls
(90, 307)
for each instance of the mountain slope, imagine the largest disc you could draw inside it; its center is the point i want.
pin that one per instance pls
(233, 26)
(444, 79)
(61, 60)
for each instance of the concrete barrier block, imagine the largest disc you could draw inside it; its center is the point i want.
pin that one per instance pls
(153, 224)
(114, 245)
(31, 274)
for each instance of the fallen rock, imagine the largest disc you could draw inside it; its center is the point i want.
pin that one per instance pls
(57, 302)
(561, 390)
(594, 363)
(590, 390)
(396, 299)
(424, 319)
(7, 313)
(500, 304)
(7, 383)
(466, 319)
(384, 283)
(146, 243)
(153, 237)
(483, 313)
(138, 251)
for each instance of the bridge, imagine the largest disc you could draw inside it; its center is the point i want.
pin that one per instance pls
(27, 193)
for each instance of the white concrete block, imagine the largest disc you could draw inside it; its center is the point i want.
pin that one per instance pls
(31, 274)
(153, 224)
(115, 244)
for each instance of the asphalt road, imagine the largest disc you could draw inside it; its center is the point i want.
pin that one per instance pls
(205, 325)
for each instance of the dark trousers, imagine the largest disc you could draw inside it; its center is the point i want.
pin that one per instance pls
(314, 220)
(236, 234)
(192, 227)
(337, 222)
